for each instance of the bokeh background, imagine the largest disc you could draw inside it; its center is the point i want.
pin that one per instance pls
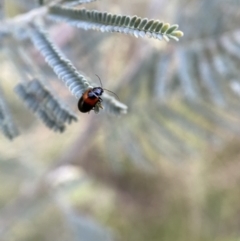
(168, 170)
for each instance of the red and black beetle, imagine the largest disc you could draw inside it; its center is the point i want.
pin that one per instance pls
(90, 99)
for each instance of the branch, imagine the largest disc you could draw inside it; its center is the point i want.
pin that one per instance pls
(27, 17)
(72, 3)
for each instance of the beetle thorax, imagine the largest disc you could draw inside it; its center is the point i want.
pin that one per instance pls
(95, 92)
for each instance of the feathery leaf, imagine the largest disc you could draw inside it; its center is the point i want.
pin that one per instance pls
(107, 22)
(41, 101)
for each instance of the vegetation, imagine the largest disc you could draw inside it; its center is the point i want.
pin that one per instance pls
(159, 163)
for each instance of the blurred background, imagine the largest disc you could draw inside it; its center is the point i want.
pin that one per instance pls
(167, 170)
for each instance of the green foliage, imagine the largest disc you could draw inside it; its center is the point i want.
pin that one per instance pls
(107, 22)
(22, 28)
(75, 81)
(42, 102)
(152, 174)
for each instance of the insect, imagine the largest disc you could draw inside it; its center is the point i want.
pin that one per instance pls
(91, 99)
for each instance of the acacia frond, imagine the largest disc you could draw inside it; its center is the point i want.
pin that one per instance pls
(7, 126)
(107, 22)
(64, 69)
(51, 124)
(42, 102)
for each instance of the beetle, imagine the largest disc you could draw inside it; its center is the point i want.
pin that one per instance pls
(91, 99)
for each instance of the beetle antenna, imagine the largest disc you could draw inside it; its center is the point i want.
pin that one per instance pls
(99, 80)
(112, 93)
(106, 89)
